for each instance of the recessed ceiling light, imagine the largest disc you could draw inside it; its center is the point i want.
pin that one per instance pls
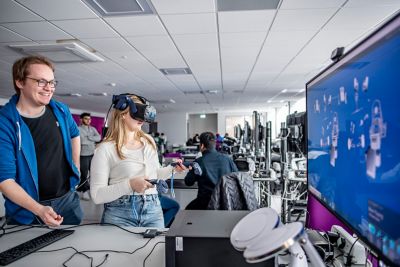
(98, 94)
(269, 101)
(281, 101)
(176, 71)
(302, 90)
(284, 91)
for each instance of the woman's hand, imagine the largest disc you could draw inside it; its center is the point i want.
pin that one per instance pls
(179, 167)
(140, 184)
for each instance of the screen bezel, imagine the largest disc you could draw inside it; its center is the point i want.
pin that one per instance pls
(367, 43)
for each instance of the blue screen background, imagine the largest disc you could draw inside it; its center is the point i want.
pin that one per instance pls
(354, 143)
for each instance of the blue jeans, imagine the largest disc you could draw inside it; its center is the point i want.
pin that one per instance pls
(68, 206)
(170, 208)
(134, 210)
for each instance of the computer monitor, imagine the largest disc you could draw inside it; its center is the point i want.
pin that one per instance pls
(246, 133)
(296, 141)
(237, 131)
(353, 136)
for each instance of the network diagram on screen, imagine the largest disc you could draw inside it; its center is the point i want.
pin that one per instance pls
(353, 135)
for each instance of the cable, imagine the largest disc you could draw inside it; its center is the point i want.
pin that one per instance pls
(172, 185)
(349, 257)
(83, 253)
(148, 255)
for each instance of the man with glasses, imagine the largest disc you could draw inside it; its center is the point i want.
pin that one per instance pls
(89, 137)
(39, 147)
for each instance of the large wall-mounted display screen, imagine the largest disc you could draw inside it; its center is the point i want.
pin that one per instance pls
(353, 117)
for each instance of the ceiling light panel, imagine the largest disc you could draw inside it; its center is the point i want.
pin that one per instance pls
(108, 8)
(240, 5)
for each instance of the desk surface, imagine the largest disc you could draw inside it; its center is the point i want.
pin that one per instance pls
(90, 238)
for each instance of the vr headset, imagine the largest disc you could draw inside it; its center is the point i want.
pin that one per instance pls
(141, 112)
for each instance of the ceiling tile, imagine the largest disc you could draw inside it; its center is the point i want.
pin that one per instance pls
(183, 6)
(301, 19)
(362, 18)
(246, 21)
(7, 35)
(108, 44)
(137, 25)
(11, 11)
(313, 4)
(94, 28)
(59, 9)
(38, 30)
(190, 23)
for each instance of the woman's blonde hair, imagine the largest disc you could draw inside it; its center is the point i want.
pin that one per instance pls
(117, 130)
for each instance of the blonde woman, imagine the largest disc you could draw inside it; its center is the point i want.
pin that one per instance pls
(123, 164)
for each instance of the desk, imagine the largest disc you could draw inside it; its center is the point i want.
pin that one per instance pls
(93, 237)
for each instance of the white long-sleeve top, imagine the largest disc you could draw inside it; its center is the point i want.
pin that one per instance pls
(109, 175)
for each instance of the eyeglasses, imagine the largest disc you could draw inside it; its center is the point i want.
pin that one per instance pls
(44, 83)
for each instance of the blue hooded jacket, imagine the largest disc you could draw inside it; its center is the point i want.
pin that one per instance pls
(18, 154)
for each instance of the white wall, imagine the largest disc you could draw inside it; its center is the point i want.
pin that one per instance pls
(173, 125)
(222, 118)
(199, 125)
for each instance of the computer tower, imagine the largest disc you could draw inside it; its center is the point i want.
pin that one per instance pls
(201, 238)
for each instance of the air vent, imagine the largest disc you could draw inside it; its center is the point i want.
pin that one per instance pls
(98, 94)
(60, 52)
(193, 92)
(69, 95)
(107, 8)
(176, 71)
(160, 102)
(240, 5)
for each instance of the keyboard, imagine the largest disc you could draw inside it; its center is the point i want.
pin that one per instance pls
(17, 252)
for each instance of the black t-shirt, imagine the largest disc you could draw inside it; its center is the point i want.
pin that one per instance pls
(53, 168)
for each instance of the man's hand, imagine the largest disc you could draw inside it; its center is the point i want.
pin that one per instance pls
(49, 216)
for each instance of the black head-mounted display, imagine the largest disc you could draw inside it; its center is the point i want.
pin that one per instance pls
(142, 112)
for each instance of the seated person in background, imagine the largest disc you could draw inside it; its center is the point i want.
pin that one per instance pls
(189, 142)
(213, 166)
(170, 208)
(219, 140)
(196, 139)
(121, 167)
